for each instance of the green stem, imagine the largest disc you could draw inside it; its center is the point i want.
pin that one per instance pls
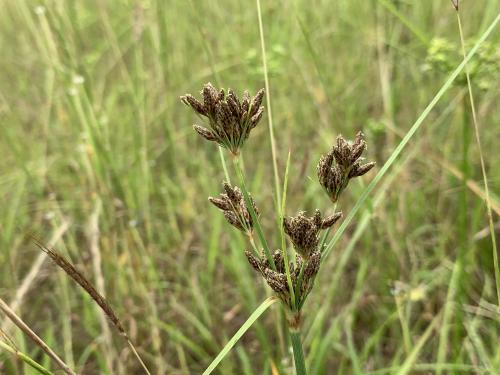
(253, 214)
(298, 353)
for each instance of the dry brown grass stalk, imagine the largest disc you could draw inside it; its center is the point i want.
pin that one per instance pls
(32, 335)
(81, 280)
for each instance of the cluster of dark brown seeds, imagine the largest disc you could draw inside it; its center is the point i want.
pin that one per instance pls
(230, 119)
(334, 177)
(232, 203)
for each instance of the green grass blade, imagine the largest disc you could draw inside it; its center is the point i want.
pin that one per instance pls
(268, 103)
(408, 136)
(282, 231)
(253, 214)
(23, 357)
(483, 167)
(255, 315)
(412, 358)
(392, 8)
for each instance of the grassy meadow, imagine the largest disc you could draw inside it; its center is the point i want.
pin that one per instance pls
(100, 162)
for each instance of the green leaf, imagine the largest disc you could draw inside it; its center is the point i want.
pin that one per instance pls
(412, 358)
(26, 359)
(255, 315)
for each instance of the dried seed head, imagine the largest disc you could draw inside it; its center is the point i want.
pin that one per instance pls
(455, 4)
(342, 163)
(230, 119)
(232, 203)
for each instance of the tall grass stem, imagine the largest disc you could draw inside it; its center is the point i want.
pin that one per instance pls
(483, 168)
(269, 111)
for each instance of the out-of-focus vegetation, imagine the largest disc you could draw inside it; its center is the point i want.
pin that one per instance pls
(99, 159)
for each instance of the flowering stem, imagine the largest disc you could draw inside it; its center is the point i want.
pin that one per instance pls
(298, 353)
(253, 214)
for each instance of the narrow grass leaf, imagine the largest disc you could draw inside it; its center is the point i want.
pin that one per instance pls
(33, 336)
(227, 348)
(412, 358)
(408, 136)
(26, 359)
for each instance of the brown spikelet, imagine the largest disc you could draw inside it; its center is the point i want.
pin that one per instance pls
(205, 133)
(330, 220)
(233, 205)
(312, 266)
(360, 170)
(81, 280)
(191, 101)
(253, 260)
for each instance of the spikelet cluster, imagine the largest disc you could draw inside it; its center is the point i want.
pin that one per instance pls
(304, 231)
(230, 122)
(342, 164)
(232, 204)
(302, 274)
(230, 119)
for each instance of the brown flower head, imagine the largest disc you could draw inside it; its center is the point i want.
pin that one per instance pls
(230, 119)
(232, 204)
(304, 231)
(342, 163)
(277, 280)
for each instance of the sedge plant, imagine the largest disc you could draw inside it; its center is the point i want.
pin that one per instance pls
(229, 121)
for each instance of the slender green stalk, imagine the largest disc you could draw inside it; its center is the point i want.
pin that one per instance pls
(269, 111)
(298, 353)
(23, 357)
(245, 326)
(405, 21)
(224, 166)
(282, 232)
(253, 214)
(483, 168)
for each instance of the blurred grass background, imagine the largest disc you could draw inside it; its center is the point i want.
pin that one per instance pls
(98, 158)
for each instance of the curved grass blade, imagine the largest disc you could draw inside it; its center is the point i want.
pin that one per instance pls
(408, 136)
(26, 359)
(255, 315)
(481, 158)
(34, 337)
(413, 356)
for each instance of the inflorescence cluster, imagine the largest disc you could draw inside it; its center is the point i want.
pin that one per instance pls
(230, 121)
